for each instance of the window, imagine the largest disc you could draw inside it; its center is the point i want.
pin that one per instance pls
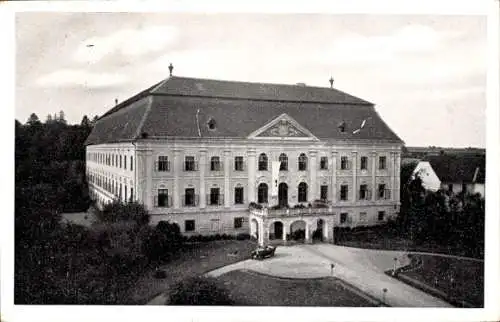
(211, 124)
(238, 195)
(302, 162)
(344, 192)
(323, 192)
(163, 164)
(113, 160)
(163, 198)
(262, 193)
(125, 162)
(189, 164)
(238, 163)
(343, 217)
(464, 187)
(344, 163)
(189, 197)
(189, 225)
(215, 164)
(262, 162)
(364, 163)
(381, 191)
(302, 192)
(362, 216)
(381, 215)
(363, 192)
(120, 192)
(120, 161)
(131, 163)
(450, 187)
(323, 163)
(214, 196)
(126, 192)
(131, 194)
(382, 163)
(283, 159)
(238, 222)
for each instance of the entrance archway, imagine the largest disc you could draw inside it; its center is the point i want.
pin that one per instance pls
(278, 230)
(298, 230)
(283, 194)
(318, 233)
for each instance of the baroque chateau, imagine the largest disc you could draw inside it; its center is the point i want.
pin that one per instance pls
(227, 157)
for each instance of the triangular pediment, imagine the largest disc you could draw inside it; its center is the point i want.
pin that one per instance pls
(283, 127)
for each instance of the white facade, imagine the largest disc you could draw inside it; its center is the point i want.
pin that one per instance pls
(430, 180)
(145, 180)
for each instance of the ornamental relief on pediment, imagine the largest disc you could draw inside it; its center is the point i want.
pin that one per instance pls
(283, 128)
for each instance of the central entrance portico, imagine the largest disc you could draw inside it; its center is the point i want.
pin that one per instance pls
(286, 224)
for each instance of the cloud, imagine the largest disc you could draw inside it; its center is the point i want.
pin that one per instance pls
(127, 42)
(356, 48)
(77, 77)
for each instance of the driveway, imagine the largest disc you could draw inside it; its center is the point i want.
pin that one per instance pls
(363, 268)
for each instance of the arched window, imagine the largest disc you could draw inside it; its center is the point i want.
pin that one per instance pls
(262, 162)
(283, 162)
(302, 162)
(262, 193)
(215, 164)
(302, 192)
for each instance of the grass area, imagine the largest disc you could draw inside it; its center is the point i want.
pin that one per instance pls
(382, 238)
(468, 278)
(249, 288)
(198, 259)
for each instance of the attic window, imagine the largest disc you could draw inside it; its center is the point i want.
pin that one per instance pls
(342, 127)
(211, 124)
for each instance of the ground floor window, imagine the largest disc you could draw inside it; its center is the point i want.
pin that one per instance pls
(381, 215)
(189, 225)
(238, 222)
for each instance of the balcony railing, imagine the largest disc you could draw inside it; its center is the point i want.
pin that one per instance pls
(268, 212)
(215, 200)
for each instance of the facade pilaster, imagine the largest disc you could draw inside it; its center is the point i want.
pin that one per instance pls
(251, 168)
(203, 166)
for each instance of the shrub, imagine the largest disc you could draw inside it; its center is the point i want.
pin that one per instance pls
(243, 236)
(199, 291)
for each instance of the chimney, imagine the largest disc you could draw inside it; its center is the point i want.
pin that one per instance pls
(116, 101)
(170, 68)
(331, 82)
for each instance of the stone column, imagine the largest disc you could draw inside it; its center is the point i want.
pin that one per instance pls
(177, 171)
(373, 156)
(398, 177)
(312, 175)
(308, 239)
(203, 166)
(251, 168)
(354, 176)
(392, 167)
(333, 190)
(227, 177)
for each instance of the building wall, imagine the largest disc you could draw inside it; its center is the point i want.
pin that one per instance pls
(145, 179)
(471, 188)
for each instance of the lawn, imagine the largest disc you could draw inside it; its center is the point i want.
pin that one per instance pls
(468, 278)
(196, 260)
(254, 289)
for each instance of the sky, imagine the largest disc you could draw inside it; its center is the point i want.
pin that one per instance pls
(426, 74)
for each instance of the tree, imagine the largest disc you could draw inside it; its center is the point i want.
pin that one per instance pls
(85, 122)
(48, 119)
(199, 291)
(62, 117)
(119, 211)
(33, 120)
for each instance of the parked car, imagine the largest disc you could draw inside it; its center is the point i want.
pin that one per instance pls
(263, 252)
